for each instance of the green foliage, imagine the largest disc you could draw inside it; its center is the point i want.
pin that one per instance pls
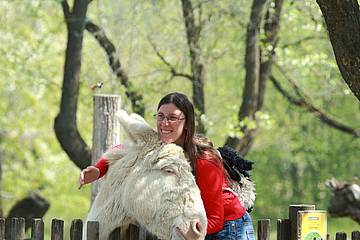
(294, 152)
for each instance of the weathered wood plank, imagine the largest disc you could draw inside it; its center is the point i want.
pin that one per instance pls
(264, 229)
(340, 236)
(355, 235)
(37, 229)
(106, 130)
(76, 229)
(293, 217)
(57, 229)
(92, 230)
(116, 234)
(283, 229)
(2, 228)
(17, 231)
(132, 233)
(145, 235)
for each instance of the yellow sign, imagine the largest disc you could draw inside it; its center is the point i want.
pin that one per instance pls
(312, 225)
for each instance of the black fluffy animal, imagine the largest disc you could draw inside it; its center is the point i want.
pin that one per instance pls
(234, 163)
(238, 169)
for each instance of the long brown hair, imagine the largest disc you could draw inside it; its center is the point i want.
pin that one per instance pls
(194, 146)
(205, 149)
(182, 102)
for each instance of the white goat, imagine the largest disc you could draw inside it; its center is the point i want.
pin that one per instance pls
(151, 183)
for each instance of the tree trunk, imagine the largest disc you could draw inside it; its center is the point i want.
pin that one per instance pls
(197, 67)
(343, 20)
(252, 67)
(65, 122)
(106, 129)
(258, 68)
(271, 29)
(1, 162)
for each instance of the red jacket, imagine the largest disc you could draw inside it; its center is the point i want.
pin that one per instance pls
(220, 205)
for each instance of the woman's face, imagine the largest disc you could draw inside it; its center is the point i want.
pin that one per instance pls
(170, 124)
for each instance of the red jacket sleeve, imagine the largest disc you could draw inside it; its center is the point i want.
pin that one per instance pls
(103, 163)
(210, 179)
(103, 166)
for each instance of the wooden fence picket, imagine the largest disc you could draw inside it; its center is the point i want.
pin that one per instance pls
(355, 235)
(2, 229)
(283, 229)
(57, 229)
(92, 230)
(264, 229)
(16, 231)
(76, 229)
(37, 229)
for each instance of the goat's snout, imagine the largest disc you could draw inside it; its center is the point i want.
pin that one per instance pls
(194, 230)
(198, 228)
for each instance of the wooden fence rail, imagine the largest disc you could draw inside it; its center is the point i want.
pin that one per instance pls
(14, 229)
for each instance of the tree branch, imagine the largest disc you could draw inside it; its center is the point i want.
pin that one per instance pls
(300, 41)
(171, 67)
(305, 103)
(66, 9)
(135, 97)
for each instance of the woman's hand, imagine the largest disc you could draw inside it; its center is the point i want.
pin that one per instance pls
(88, 175)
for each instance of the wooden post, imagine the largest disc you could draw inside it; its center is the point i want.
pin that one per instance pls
(92, 229)
(7, 228)
(37, 229)
(293, 217)
(76, 229)
(2, 229)
(283, 229)
(355, 235)
(117, 234)
(57, 229)
(132, 232)
(106, 129)
(340, 236)
(145, 235)
(264, 229)
(17, 231)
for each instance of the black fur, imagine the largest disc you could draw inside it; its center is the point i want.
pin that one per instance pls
(234, 163)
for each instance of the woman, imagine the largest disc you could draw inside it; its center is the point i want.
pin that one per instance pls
(227, 218)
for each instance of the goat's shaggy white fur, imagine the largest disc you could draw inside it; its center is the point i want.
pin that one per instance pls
(148, 182)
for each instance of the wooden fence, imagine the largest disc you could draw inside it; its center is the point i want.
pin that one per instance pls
(15, 230)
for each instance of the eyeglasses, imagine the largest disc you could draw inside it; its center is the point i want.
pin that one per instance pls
(170, 119)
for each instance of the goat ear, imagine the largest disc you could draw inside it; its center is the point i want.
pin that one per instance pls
(134, 125)
(138, 118)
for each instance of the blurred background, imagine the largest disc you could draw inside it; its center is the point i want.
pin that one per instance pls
(262, 75)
